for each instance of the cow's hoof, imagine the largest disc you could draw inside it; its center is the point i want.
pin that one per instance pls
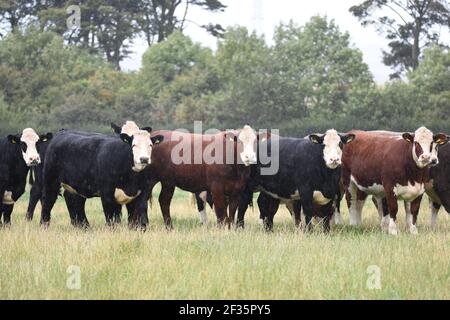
(393, 230)
(384, 223)
(45, 224)
(413, 230)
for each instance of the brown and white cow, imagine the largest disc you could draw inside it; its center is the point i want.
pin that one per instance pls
(179, 164)
(391, 167)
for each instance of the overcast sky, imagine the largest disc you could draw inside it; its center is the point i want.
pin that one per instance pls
(264, 15)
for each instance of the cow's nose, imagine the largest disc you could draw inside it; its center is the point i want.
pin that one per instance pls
(145, 160)
(434, 162)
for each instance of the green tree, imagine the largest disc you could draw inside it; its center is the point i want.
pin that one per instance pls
(317, 69)
(408, 25)
(244, 67)
(431, 81)
(163, 62)
(38, 73)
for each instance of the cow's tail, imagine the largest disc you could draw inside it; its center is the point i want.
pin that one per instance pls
(31, 178)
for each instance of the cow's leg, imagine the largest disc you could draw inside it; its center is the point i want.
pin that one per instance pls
(393, 209)
(76, 206)
(118, 216)
(337, 217)
(435, 207)
(411, 215)
(232, 207)
(245, 199)
(141, 209)
(269, 207)
(165, 197)
(133, 215)
(49, 195)
(35, 196)
(355, 201)
(378, 202)
(200, 199)
(297, 208)
(308, 207)
(327, 211)
(220, 203)
(7, 210)
(110, 207)
(138, 212)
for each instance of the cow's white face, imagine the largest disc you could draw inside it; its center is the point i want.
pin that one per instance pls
(140, 141)
(425, 146)
(332, 152)
(141, 145)
(28, 141)
(333, 143)
(248, 139)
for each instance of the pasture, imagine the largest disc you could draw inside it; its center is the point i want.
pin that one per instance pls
(204, 262)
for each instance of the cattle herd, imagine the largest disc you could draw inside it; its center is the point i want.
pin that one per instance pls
(312, 174)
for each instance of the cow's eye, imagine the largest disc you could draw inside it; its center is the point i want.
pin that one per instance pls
(23, 145)
(341, 145)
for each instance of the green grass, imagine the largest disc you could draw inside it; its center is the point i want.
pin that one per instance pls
(204, 262)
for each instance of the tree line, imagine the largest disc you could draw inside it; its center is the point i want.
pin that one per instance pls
(309, 78)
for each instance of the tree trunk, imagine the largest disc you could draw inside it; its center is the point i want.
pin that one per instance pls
(415, 52)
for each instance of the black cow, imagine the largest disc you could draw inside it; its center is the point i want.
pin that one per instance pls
(309, 171)
(439, 191)
(98, 165)
(36, 182)
(17, 154)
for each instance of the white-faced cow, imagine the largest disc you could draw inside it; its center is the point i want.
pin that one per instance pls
(17, 154)
(391, 167)
(224, 177)
(309, 173)
(95, 165)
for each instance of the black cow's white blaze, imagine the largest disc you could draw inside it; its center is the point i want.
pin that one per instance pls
(30, 154)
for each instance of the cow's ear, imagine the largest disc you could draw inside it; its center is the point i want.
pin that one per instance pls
(148, 129)
(315, 138)
(14, 139)
(348, 138)
(157, 139)
(46, 137)
(264, 136)
(126, 138)
(408, 137)
(115, 128)
(441, 138)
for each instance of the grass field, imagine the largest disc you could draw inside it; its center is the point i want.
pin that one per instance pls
(204, 262)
